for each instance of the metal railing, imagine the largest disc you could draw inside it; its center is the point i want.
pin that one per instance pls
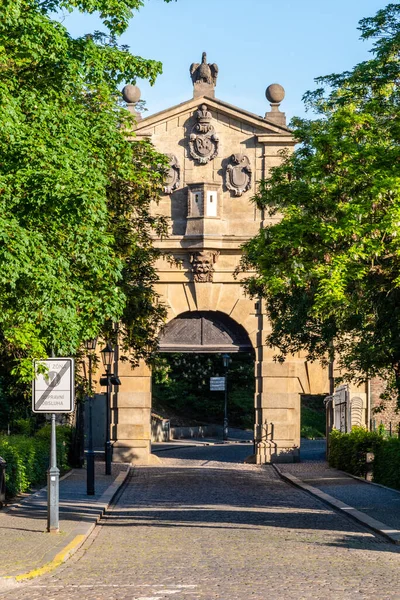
(391, 429)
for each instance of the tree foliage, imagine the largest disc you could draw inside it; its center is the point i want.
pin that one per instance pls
(75, 191)
(329, 270)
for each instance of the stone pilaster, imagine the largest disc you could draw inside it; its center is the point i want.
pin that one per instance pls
(131, 415)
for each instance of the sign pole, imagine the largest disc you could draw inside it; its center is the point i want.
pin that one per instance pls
(53, 392)
(53, 478)
(225, 426)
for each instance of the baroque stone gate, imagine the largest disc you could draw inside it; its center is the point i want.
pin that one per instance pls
(217, 152)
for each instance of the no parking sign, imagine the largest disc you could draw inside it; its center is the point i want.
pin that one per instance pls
(53, 391)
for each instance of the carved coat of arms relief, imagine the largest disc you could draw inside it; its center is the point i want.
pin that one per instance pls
(238, 174)
(173, 177)
(203, 141)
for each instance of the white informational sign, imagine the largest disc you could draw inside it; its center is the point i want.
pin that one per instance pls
(53, 392)
(217, 384)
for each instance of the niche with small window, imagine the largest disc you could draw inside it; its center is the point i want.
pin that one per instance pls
(203, 200)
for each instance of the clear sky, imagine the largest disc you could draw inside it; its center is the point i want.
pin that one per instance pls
(253, 42)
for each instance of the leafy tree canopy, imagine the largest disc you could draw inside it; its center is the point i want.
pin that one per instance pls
(75, 226)
(329, 270)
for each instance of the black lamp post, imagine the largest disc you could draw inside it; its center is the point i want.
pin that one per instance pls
(107, 355)
(90, 346)
(226, 359)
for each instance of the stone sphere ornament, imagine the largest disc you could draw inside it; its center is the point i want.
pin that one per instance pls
(131, 94)
(275, 93)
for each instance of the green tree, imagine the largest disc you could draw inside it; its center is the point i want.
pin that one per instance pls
(329, 270)
(75, 190)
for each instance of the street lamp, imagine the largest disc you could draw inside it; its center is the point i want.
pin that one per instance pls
(107, 355)
(90, 346)
(226, 359)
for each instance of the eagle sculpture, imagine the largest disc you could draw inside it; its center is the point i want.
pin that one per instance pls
(203, 72)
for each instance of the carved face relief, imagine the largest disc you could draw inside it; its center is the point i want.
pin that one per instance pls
(173, 177)
(203, 141)
(203, 265)
(238, 174)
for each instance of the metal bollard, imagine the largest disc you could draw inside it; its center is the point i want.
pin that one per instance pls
(369, 465)
(3, 466)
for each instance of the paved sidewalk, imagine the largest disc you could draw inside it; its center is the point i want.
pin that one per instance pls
(379, 505)
(26, 549)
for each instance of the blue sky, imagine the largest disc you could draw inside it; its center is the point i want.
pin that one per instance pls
(254, 43)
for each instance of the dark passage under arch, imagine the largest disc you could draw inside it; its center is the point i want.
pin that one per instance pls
(204, 331)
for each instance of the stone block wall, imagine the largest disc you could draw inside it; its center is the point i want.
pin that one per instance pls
(390, 412)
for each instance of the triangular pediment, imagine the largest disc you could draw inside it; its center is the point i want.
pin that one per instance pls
(261, 125)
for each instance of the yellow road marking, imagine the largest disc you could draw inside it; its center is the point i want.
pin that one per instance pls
(56, 562)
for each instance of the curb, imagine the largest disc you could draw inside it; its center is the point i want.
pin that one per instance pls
(393, 535)
(77, 537)
(155, 450)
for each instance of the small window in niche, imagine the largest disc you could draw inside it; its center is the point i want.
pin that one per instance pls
(212, 202)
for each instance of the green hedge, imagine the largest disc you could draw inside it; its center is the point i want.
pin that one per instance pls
(27, 458)
(386, 468)
(347, 452)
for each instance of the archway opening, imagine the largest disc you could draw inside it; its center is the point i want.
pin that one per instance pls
(192, 347)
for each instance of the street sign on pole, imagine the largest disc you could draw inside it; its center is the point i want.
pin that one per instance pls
(217, 384)
(53, 391)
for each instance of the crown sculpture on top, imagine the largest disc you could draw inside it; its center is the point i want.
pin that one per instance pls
(204, 77)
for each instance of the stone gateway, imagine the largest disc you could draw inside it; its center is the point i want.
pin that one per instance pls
(217, 153)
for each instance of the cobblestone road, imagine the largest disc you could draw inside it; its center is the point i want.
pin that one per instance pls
(200, 528)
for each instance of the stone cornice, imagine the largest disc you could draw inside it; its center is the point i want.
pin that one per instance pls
(264, 126)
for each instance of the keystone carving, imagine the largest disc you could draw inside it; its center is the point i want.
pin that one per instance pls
(173, 177)
(238, 174)
(203, 141)
(203, 265)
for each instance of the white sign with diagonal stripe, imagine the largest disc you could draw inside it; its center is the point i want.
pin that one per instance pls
(217, 384)
(53, 391)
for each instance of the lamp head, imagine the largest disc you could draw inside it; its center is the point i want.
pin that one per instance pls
(107, 355)
(226, 359)
(91, 343)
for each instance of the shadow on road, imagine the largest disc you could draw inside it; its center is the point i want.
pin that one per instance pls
(260, 501)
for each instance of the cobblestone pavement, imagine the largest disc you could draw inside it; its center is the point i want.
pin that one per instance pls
(204, 529)
(24, 545)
